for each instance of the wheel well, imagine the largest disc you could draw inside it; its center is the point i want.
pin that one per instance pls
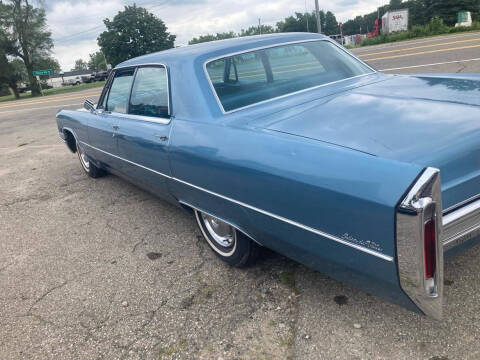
(187, 208)
(190, 209)
(71, 142)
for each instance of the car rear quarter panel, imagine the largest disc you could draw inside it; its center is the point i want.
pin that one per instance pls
(345, 193)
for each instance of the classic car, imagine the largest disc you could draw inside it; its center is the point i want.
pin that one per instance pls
(289, 142)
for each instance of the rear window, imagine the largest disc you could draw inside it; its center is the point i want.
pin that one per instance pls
(260, 75)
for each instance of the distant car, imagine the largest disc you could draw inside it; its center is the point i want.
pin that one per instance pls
(23, 88)
(290, 142)
(88, 78)
(75, 81)
(101, 75)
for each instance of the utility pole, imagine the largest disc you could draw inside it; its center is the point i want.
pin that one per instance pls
(259, 26)
(317, 12)
(306, 15)
(104, 59)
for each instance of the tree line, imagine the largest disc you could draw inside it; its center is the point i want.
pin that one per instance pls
(420, 13)
(298, 22)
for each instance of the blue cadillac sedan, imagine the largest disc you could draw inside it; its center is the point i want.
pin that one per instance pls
(289, 142)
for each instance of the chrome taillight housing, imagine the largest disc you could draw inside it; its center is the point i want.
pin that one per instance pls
(419, 243)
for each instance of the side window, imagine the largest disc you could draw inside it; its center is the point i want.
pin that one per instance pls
(117, 100)
(150, 92)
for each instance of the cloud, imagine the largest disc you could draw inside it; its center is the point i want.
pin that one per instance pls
(347, 3)
(76, 24)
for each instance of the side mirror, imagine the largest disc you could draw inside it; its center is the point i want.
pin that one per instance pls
(89, 105)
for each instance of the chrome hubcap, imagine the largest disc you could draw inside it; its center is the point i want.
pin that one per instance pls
(83, 158)
(220, 231)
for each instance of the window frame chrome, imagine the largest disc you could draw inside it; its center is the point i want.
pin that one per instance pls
(105, 91)
(222, 109)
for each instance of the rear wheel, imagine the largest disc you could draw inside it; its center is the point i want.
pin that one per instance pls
(92, 170)
(228, 243)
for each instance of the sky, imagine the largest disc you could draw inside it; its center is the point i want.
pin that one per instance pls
(76, 24)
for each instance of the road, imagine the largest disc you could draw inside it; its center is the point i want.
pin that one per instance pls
(446, 54)
(73, 250)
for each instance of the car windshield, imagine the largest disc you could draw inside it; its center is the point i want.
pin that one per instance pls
(252, 77)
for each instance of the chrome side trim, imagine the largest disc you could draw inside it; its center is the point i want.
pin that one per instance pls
(285, 95)
(264, 212)
(128, 161)
(291, 222)
(163, 121)
(423, 202)
(461, 225)
(457, 205)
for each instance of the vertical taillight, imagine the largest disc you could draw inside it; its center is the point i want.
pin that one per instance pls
(419, 243)
(430, 251)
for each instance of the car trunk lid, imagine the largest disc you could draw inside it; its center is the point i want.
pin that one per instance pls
(426, 120)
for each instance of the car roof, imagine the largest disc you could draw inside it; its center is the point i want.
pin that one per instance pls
(219, 47)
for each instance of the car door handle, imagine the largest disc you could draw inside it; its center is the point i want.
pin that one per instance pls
(161, 137)
(115, 127)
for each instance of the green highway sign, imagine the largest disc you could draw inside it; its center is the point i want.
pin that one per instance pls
(42, 72)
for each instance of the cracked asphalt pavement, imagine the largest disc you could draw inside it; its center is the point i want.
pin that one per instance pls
(99, 269)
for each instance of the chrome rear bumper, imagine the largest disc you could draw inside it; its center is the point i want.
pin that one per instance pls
(461, 225)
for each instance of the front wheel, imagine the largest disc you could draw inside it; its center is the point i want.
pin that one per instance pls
(92, 170)
(228, 243)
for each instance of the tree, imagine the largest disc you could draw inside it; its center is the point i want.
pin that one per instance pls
(25, 28)
(97, 61)
(447, 10)
(255, 30)
(9, 76)
(133, 32)
(395, 4)
(301, 22)
(211, 37)
(48, 62)
(331, 24)
(80, 64)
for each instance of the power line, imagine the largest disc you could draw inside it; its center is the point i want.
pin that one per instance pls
(62, 39)
(69, 37)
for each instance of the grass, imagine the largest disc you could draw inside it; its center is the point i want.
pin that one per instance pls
(175, 348)
(55, 91)
(433, 28)
(288, 278)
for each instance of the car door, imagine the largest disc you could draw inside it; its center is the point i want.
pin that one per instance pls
(143, 133)
(103, 125)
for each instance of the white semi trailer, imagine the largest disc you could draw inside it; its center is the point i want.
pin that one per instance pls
(395, 21)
